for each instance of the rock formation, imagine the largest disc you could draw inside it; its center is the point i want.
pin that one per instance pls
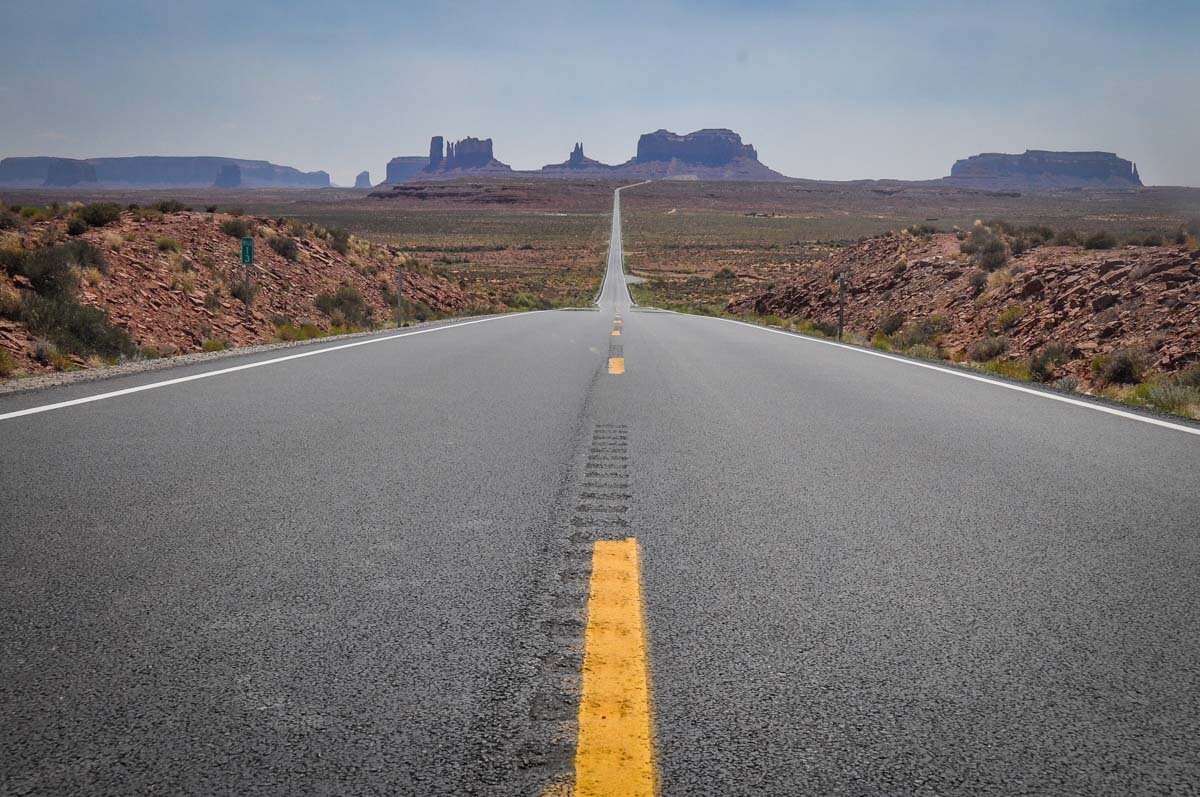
(1092, 301)
(155, 171)
(65, 171)
(363, 180)
(1043, 169)
(714, 154)
(405, 167)
(717, 147)
(230, 176)
(469, 155)
(576, 162)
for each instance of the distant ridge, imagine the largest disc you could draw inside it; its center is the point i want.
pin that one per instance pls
(1037, 169)
(152, 171)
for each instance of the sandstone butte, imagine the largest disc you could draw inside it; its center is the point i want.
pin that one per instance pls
(1142, 298)
(151, 296)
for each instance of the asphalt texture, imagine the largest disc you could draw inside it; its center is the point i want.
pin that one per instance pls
(360, 571)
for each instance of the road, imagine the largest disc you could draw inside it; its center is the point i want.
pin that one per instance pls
(394, 566)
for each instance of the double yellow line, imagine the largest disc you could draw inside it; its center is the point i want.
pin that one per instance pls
(615, 751)
(616, 365)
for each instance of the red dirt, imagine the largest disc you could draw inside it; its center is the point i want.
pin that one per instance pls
(1145, 298)
(160, 302)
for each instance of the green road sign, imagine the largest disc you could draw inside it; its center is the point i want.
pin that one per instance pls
(247, 251)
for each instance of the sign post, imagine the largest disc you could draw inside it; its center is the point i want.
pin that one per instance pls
(399, 296)
(841, 303)
(247, 258)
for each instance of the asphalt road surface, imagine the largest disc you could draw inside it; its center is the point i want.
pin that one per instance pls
(367, 570)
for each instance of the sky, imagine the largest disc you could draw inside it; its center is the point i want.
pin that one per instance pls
(837, 90)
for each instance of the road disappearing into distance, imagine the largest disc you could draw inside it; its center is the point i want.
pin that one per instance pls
(618, 550)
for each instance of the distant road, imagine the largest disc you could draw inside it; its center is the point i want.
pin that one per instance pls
(374, 569)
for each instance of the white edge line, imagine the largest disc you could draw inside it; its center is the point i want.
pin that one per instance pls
(244, 367)
(962, 374)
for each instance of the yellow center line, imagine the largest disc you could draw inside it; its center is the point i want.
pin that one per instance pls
(615, 751)
(616, 365)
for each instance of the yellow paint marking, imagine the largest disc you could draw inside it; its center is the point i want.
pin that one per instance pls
(616, 333)
(615, 751)
(616, 365)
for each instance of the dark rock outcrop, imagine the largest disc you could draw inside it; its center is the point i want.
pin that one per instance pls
(714, 154)
(575, 163)
(467, 156)
(1042, 169)
(716, 147)
(161, 171)
(405, 167)
(363, 180)
(66, 171)
(43, 171)
(230, 176)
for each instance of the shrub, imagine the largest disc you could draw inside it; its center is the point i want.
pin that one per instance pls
(1189, 376)
(168, 245)
(99, 214)
(288, 332)
(55, 272)
(10, 221)
(1048, 358)
(987, 349)
(210, 208)
(923, 351)
(345, 307)
(212, 302)
(985, 247)
(73, 328)
(1121, 367)
(147, 214)
(1172, 397)
(978, 280)
(1100, 240)
(213, 344)
(891, 323)
(76, 226)
(236, 212)
(1067, 383)
(92, 276)
(881, 341)
(416, 310)
(285, 247)
(171, 206)
(235, 228)
(920, 333)
(523, 301)
(1007, 318)
(1152, 240)
(922, 230)
(243, 290)
(8, 363)
(725, 273)
(1066, 238)
(339, 240)
(1013, 369)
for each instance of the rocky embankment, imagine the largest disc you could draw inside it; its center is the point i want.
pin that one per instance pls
(175, 283)
(1088, 303)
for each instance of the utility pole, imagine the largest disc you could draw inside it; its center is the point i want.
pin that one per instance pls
(841, 303)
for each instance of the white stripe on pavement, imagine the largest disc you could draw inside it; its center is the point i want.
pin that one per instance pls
(205, 375)
(1178, 427)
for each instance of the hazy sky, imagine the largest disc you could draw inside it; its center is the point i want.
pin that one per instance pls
(823, 90)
